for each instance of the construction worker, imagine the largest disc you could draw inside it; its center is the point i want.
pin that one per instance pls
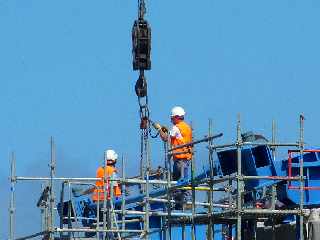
(180, 133)
(108, 171)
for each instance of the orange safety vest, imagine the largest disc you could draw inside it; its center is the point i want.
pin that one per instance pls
(98, 191)
(186, 133)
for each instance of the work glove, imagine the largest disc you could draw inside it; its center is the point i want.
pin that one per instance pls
(157, 126)
(164, 129)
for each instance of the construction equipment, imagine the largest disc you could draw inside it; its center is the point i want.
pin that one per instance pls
(141, 40)
(141, 49)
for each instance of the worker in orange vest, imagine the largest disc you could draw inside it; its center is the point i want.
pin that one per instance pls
(180, 133)
(109, 171)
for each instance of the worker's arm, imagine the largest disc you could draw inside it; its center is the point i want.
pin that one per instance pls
(176, 134)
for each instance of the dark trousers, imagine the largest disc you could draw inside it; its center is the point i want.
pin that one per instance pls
(180, 171)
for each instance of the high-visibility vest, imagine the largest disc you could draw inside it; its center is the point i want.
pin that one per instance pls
(99, 192)
(186, 133)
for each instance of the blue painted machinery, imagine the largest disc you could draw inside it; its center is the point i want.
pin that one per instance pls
(256, 161)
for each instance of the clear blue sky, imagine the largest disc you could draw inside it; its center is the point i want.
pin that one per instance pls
(66, 71)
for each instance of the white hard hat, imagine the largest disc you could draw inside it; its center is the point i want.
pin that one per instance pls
(110, 155)
(177, 111)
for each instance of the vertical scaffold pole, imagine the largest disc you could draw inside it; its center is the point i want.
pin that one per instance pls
(239, 180)
(168, 169)
(98, 212)
(61, 207)
(301, 149)
(193, 232)
(12, 191)
(70, 210)
(47, 213)
(123, 193)
(52, 175)
(273, 150)
(105, 192)
(110, 205)
(210, 193)
(42, 212)
(141, 161)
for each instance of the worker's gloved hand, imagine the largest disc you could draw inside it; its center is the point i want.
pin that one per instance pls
(157, 126)
(164, 129)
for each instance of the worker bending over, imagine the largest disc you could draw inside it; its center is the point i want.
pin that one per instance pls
(108, 171)
(180, 133)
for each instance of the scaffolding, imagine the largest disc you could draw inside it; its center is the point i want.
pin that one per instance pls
(231, 213)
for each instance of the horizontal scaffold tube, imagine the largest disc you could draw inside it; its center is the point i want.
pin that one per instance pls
(160, 214)
(196, 203)
(271, 178)
(33, 235)
(270, 211)
(138, 220)
(253, 144)
(256, 211)
(202, 189)
(131, 180)
(206, 139)
(96, 230)
(272, 144)
(234, 177)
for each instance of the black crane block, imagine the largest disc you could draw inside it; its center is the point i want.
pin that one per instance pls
(141, 45)
(141, 86)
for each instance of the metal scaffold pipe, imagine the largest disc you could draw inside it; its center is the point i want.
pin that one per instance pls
(167, 233)
(301, 148)
(123, 190)
(43, 233)
(104, 192)
(210, 230)
(127, 181)
(193, 194)
(52, 174)
(12, 198)
(189, 202)
(206, 139)
(270, 144)
(273, 151)
(94, 230)
(239, 182)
